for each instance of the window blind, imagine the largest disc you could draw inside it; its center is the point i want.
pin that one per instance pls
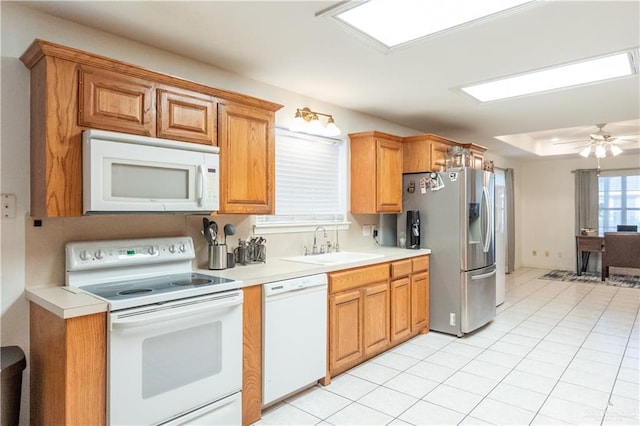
(310, 180)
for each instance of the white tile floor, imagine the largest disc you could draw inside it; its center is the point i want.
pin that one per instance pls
(556, 353)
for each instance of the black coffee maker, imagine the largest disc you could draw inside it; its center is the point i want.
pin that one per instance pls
(413, 229)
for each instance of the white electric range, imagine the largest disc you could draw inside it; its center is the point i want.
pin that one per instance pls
(174, 336)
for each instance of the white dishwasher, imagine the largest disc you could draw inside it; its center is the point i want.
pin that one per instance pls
(294, 336)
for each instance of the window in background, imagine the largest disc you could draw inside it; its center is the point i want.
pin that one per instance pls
(619, 201)
(311, 175)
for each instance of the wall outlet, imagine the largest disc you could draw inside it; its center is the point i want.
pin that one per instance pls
(8, 206)
(452, 319)
(366, 230)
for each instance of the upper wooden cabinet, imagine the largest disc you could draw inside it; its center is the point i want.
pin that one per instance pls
(425, 153)
(428, 153)
(73, 90)
(111, 101)
(247, 159)
(186, 115)
(477, 155)
(376, 173)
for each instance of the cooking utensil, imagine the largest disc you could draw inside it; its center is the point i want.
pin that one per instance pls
(228, 229)
(213, 230)
(206, 230)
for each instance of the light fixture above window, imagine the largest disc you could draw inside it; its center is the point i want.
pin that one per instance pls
(553, 78)
(307, 121)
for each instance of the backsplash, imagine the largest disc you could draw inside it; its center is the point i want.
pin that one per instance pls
(45, 257)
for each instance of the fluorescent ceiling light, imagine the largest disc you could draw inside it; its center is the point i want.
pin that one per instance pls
(394, 22)
(574, 74)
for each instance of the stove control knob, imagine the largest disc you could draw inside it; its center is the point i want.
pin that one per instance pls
(152, 250)
(100, 254)
(172, 248)
(84, 255)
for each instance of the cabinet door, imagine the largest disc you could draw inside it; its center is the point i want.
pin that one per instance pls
(68, 368)
(186, 116)
(345, 336)
(416, 155)
(438, 155)
(116, 102)
(477, 160)
(376, 318)
(388, 176)
(247, 159)
(400, 309)
(420, 302)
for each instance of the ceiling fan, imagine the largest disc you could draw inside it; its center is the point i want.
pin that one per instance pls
(601, 144)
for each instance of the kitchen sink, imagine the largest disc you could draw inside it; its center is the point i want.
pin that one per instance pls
(338, 258)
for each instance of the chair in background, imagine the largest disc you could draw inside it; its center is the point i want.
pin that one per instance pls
(627, 228)
(621, 249)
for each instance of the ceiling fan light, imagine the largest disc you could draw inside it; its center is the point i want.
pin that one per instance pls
(616, 150)
(586, 151)
(601, 152)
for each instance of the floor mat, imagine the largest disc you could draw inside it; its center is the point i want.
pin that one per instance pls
(632, 281)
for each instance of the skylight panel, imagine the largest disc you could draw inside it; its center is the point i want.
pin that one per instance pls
(395, 22)
(563, 76)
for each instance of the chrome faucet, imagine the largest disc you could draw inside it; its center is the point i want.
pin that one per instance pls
(314, 249)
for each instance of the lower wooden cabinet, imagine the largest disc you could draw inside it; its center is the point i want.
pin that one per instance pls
(420, 302)
(409, 298)
(68, 366)
(375, 325)
(374, 308)
(345, 313)
(251, 355)
(401, 297)
(420, 295)
(358, 316)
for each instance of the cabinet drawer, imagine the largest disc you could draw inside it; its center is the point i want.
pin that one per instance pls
(353, 278)
(420, 263)
(400, 268)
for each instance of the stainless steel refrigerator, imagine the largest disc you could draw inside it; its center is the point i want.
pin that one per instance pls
(456, 221)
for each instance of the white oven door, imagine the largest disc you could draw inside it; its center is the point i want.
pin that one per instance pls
(166, 360)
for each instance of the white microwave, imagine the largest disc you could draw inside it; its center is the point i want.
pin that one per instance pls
(130, 173)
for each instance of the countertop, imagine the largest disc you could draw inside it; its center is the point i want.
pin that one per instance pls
(67, 302)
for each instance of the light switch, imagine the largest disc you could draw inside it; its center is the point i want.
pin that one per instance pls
(8, 206)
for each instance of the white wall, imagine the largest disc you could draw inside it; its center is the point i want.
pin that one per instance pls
(546, 213)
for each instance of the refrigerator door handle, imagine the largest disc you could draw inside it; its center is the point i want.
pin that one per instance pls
(487, 219)
(483, 276)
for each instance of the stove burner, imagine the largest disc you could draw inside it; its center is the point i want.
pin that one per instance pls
(191, 281)
(134, 291)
